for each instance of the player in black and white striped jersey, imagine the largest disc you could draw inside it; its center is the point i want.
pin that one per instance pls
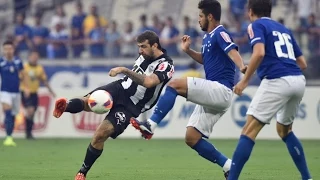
(137, 92)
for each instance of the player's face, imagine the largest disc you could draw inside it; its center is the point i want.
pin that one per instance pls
(146, 50)
(203, 21)
(8, 51)
(33, 58)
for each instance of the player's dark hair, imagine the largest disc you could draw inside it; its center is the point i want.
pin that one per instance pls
(261, 8)
(211, 7)
(151, 36)
(7, 42)
(33, 51)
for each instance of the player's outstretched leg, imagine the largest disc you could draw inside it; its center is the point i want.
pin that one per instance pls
(75, 105)
(165, 104)
(206, 150)
(95, 148)
(245, 145)
(295, 149)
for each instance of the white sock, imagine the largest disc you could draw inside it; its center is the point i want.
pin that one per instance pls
(227, 166)
(152, 124)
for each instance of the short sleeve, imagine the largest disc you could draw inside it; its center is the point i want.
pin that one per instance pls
(164, 71)
(255, 33)
(225, 42)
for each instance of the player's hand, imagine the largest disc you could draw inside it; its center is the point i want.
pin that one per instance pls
(244, 69)
(240, 87)
(185, 43)
(115, 71)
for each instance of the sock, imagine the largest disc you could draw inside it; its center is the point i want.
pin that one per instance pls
(75, 105)
(91, 156)
(29, 125)
(164, 105)
(209, 152)
(296, 151)
(240, 156)
(9, 122)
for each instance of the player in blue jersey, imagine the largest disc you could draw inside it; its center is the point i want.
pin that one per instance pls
(212, 95)
(279, 63)
(11, 69)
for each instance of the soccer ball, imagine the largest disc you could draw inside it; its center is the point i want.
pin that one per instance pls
(100, 102)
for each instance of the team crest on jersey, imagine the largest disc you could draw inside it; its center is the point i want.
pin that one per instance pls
(163, 66)
(250, 31)
(11, 69)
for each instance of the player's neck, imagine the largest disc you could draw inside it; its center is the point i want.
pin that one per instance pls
(158, 53)
(212, 27)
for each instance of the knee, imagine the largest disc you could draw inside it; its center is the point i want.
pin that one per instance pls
(102, 133)
(192, 137)
(283, 133)
(174, 84)
(191, 141)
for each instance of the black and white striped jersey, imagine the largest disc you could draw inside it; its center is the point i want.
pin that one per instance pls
(145, 98)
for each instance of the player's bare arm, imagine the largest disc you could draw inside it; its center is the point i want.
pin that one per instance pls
(185, 46)
(46, 83)
(302, 63)
(141, 79)
(236, 58)
(256, 58)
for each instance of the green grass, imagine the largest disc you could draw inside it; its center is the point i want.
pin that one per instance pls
(125, 159)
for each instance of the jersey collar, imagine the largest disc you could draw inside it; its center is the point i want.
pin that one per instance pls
(265, 18)
(215, 29)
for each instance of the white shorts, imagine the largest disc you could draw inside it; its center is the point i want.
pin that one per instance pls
(12, 99)
(280, 97)
(213, 100)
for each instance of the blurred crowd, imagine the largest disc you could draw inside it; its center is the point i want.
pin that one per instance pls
(98, 36)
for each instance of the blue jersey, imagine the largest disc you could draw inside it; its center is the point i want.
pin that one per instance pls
(9, 71)
(281, 48)
(217, 64)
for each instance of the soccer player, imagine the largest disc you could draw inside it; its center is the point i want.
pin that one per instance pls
(212, 95)
(11, 69)
(36, 76)
(279, 62)
(137, 92)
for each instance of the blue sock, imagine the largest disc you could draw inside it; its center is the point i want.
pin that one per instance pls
(209, 152)
(240, 156)
(164, 105)
(9, 122)
(296, 151)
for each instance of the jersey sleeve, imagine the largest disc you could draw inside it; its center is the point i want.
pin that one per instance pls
(296, 48)
(255, 33)
(164, 71)
(225, 42)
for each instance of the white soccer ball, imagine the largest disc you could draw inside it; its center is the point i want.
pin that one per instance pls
(100, 102)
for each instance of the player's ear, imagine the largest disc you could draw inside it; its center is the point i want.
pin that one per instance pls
(210, 17)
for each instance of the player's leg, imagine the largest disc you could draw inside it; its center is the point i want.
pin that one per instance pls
(285, 118)
(269, 98)
(165, 104)
(199, 127)
(77, 105)
(114, 124)
(6, 102)
(30, 105)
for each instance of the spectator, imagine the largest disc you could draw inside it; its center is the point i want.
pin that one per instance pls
(59, 18)
(190, 31)
(40, 36)
(96, 40)
(58, 39)
(240, 37)
(156, 24)
(237, 8)
(90, 20)
(170, 37)
(23, 35)
(128, 48)
(113, 41)
(77, 34)
(144, 26)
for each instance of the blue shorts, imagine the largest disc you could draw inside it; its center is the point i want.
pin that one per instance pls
(31, 101)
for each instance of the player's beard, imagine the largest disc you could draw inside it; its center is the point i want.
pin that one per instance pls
(149, 57)
(205, 25)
